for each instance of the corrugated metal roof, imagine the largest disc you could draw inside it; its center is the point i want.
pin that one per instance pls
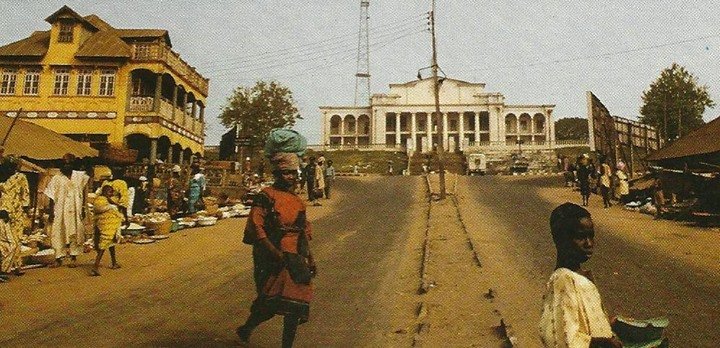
(703, 140)
(39, 143)
(104, 44)
(35, 46)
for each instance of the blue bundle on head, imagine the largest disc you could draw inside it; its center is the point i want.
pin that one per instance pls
(285, 140)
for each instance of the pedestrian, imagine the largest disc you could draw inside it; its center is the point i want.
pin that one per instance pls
(605, 183)
(196, 187)
(390, 169)
(622, 189)
(14, 199)
(108, 221)
(329, 178)
(309, 175)
(9, 248)
(175, 193)
(584, 173)
(301, 176)
(319, 189)
(140, 199)
(66, 206)
(279, 232)
(572, 314)
(121, 196)
(355, 169)
(658, 199)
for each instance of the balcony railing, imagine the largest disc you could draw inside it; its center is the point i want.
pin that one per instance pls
(147, 51)
(141, 104)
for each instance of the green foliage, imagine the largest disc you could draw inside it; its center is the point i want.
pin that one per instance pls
(675, 102)
(259, 109)
(573, 128)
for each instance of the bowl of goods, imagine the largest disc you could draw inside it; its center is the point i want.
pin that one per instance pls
(207, 221)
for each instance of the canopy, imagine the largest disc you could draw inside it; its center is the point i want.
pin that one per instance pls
(701, 141)
(36, 142)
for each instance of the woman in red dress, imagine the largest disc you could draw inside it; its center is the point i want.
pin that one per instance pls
(283, 265)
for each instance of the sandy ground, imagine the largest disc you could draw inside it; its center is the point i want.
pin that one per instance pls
(643, 268)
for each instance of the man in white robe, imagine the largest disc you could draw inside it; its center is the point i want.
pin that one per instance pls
(68, 230)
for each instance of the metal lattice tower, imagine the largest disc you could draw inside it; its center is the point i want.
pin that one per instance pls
(362, 77)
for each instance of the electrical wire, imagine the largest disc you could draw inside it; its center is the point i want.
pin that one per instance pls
(303, 60)
(309, 46)
(594, 56)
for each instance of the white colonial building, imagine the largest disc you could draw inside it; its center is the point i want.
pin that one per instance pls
(472, 118)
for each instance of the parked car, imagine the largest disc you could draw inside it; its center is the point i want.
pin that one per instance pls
(476, 164)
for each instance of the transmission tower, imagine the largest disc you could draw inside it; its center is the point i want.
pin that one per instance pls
(362, 77)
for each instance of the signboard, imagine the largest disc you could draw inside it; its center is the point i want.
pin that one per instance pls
(242, 141)
(616, 138)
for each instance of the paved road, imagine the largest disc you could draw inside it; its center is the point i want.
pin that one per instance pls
(195, 288)
(631, 279)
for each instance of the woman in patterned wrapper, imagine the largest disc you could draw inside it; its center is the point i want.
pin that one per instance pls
(572, 314)
(283, 265)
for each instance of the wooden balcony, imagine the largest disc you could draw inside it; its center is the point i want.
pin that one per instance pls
(141, 110)
(158, 52)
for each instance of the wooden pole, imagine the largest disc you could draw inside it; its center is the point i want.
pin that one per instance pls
(436, 88)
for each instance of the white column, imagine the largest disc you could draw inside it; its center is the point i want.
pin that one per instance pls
(532, 129)
(461, 129)
(413, 130)
(477, 127)
(495, 119)
(342, 130)
(397, 129)
(428, 130)
(445, 130)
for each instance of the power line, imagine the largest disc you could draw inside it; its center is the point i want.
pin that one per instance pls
(345, 59)
(296, 61)
(594, 56)
(324, 42)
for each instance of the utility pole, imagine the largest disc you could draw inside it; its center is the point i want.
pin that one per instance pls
(436, 88)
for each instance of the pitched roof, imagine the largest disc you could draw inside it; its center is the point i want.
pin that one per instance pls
(105, 41)
(104, 44)
(698, 142)
(36, 45)
(36, 142)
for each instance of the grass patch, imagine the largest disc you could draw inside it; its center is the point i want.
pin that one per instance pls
(368, 162)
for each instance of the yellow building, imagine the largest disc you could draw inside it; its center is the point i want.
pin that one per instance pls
(98, 84)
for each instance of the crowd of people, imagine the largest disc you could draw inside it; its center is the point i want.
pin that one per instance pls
(591, 178)
(69, 219)
(316, 176)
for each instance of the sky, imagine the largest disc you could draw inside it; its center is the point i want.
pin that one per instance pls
(534, 52)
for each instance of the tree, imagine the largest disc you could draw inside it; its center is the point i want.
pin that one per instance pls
(259, 109)
(572, 128)
(675, 102)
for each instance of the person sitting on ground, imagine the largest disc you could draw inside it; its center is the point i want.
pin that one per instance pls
(9, 247)
(572, 314)
(108, 220)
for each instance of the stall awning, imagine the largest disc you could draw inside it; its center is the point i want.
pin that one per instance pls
(701, 141)
(36, 142)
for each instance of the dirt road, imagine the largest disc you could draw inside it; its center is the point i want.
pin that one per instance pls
(643, 267)
(196, 287)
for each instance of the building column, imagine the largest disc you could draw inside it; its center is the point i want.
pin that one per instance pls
(477, 128)
(397, 129)
(445, 130)
(174, 102)
(342, 130)
(494, 122)
(550, 125)
(180, 156)
(429, 131)
(184, 108)
(413, 130)
(153, 150)
(532, 129)
(202, 121)
(158, 92)
(170, 154)
(461, 130)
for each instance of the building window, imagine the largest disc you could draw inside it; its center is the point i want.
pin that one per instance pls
(62, 81)
(84, 82)
(9, 77)
(66, 33)
(107, 82)
(32, 82)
